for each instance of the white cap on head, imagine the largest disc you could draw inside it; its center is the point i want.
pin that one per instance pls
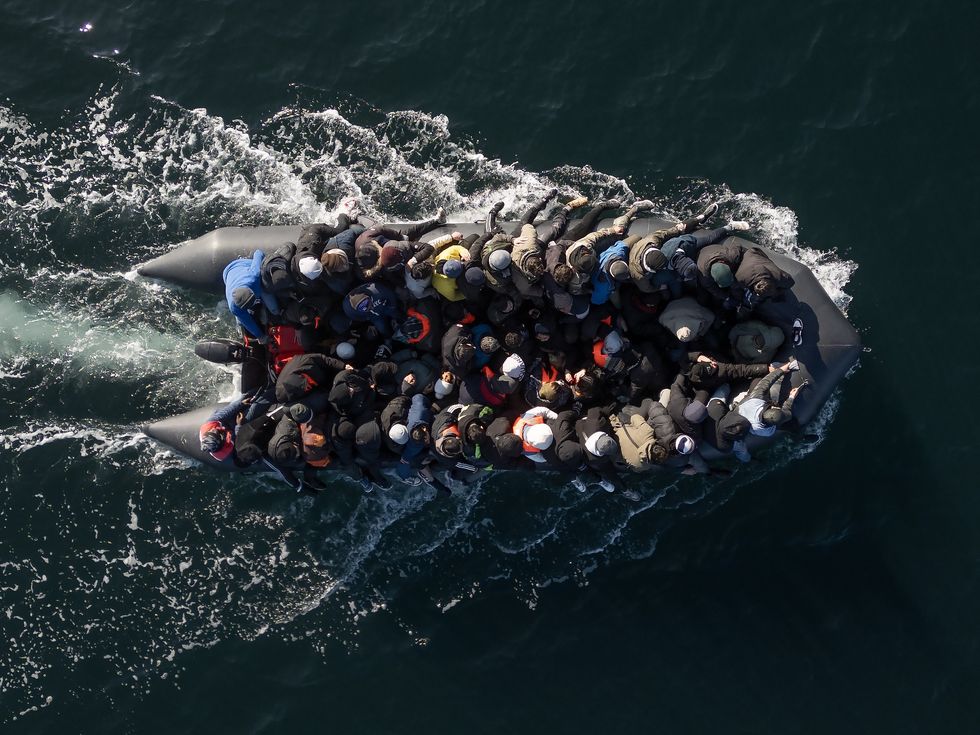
(310, 267)
(684, 444)
(613, 343)
(345, 350)
(443, 388)
(398, 433)
(539, 436)
(684, 334)
(513, 367)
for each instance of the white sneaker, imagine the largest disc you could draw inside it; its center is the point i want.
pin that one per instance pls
(607, 486)
(708, 212)
(578, 484)
(642, 206)
(351, 207)
(738, 225)
(797, 331)
(441, 215)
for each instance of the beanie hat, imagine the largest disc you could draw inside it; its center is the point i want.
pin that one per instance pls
(339, 396)
(398, 433)
(310, 267)
(499, 260)
(489, 344)
(721, 274)
(475, 277)
(452, 268)
(582, 259)
(346, 430)
(513, 367)
(653, 260)
(300, 413)
(243, 297)
(442, 388)
(606, 446)
(619, 271)
(612, 344)
(539, 436)
(360, 301)
(367, 255)
(509, 445)
(345, 350)
(684, 444)
(212, 440)
(684, 334)
(695, 412)
(335, 261)
(772, 416)
(390, 256)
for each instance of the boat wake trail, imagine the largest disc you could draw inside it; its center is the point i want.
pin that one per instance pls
(149, 556)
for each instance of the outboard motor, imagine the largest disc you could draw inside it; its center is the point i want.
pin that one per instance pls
(222, 351)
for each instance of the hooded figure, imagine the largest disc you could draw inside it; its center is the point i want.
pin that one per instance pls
(716, 270)
(244, 292)
(613, 270)
(760, 278)
(351, 394)
(686, 319)
(755, 342)
(306, 373)
(458, 350)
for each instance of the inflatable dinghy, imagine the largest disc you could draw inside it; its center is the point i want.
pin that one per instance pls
(830, 346)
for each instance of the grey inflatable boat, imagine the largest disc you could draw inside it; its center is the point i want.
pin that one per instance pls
(830, 346)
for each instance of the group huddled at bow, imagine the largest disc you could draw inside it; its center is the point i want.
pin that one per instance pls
(560, 346)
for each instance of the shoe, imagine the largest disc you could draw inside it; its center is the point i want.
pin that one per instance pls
(351, 207)
(441, 215)
(577, 202)
(797, 331)
(366, 484)
(631, 495)
(642, 206)
(708, 212)
(412, 481)
(607, 486)
(552, 193)
(610, 204)
(737, 225)
(578, 484)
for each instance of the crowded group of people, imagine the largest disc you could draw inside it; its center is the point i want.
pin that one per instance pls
(563, 347)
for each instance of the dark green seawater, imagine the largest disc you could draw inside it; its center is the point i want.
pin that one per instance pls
(833, 589)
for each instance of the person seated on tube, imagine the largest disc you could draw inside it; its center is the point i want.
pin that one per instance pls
(244, 294)
(370, 242)
(757, 406)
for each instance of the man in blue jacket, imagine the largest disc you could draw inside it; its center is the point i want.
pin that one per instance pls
(243, 290)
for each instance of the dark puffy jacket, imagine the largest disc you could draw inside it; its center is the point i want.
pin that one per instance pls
(454, 336)
(359, 399)
(663, 425)
(705, 376)
(277, 272)
(286, 444)
(678, 401)
(396, 412)
(595, 421)
(756, 266)
(723, 429)
(252, 438)
(305, 374)
(728, 252)
(384, 307)
(565, 453)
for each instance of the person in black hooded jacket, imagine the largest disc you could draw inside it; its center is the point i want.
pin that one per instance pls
(707, 373)
(565, 453)
(352, 394)
(306, 373)
(458, 350)
(599, 447)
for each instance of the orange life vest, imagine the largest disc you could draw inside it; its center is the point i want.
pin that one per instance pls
(521, 424)
(548, 375)
(600, 357)
(424, 321)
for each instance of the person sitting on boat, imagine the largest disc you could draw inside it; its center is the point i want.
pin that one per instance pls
(535, 433)
(565, 452)
(759, 279)
(375, 304)
(458, 351)
(725, 429)
(528, 251)
(599, 447)
(415, 450)
(612, 270)
(244, 293)
(757, 406)
(687, 320)
(217, 434)
(639, 449)
(369, 242)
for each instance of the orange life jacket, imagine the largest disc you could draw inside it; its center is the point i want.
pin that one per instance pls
(424, 321)
(521, 424)
(600, 357)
